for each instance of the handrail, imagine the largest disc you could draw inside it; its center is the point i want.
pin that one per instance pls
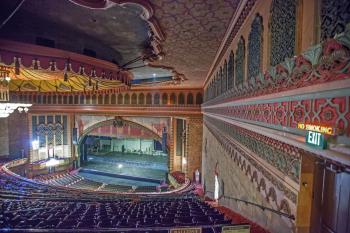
(290, 216)
(129, 229)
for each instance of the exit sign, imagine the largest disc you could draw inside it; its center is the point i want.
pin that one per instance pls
(316, 139)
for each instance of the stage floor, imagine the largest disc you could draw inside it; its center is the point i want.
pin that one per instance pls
(147, 166)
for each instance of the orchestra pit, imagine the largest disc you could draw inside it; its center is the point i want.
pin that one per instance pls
(175, 116)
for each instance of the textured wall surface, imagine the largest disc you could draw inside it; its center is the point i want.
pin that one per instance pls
(194, 145)
(4, 139)
(18, 135)
(14, 135)
(234, 182)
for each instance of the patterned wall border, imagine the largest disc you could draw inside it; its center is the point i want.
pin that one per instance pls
(274, 191)
(284, 157)
(279, 114)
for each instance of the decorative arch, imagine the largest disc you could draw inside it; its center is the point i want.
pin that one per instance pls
(110, 122)
(282, 30)
(181, 98)
(149, 98)
(217, 83)
(114, 99)
(239, 62)
(230, 71)
(126, 99)
(134, 99)
(120, 98)
(76, 99)
(65, 99)
(165, 98)
(272, 195)
(100, 99)
(81, 99)
(190, 98)
(221, 88)
(172, 98)
(255, 44)
(156, 98)
(284, 207)
(106, 99)
(199, 98)
(94, 99)
(141, 98)
(70, 99)
(225, 81)
(87, 99)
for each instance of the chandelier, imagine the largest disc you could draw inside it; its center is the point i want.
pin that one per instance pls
(7, 108)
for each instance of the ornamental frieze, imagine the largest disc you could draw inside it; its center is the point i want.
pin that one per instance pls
(284, 157)
(333, 112)
(251, 168)
(322, 63)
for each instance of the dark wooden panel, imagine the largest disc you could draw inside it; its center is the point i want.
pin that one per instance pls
(330, 200)
(343, 223)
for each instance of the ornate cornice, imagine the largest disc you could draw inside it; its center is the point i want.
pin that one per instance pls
(282, 113)
(120, 110)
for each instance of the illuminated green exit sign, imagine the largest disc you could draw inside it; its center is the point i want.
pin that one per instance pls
(316, 139)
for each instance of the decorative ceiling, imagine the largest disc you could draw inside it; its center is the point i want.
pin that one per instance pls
(170, 41)
(193, 30)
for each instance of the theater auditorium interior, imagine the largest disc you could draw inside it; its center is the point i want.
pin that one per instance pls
(175, 116)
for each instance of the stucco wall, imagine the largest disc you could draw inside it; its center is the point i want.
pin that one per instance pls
(234, 182)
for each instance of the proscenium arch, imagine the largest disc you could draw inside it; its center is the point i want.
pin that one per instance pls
(109, 122)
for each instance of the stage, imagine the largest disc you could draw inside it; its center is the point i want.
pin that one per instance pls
(126, 169)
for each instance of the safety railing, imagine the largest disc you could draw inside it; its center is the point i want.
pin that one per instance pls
(262, 207)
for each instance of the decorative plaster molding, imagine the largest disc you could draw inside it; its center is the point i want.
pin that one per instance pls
(274, 191)
(329, 111)
(323, 63)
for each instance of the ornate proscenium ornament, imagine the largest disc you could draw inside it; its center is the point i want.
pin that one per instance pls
(36, 68)
(7, 108)
(118, 122)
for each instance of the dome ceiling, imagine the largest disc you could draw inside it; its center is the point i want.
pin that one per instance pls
(166, 39)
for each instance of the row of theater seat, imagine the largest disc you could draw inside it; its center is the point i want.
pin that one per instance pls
(79, 182)
(26, 204)
(187, 211)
